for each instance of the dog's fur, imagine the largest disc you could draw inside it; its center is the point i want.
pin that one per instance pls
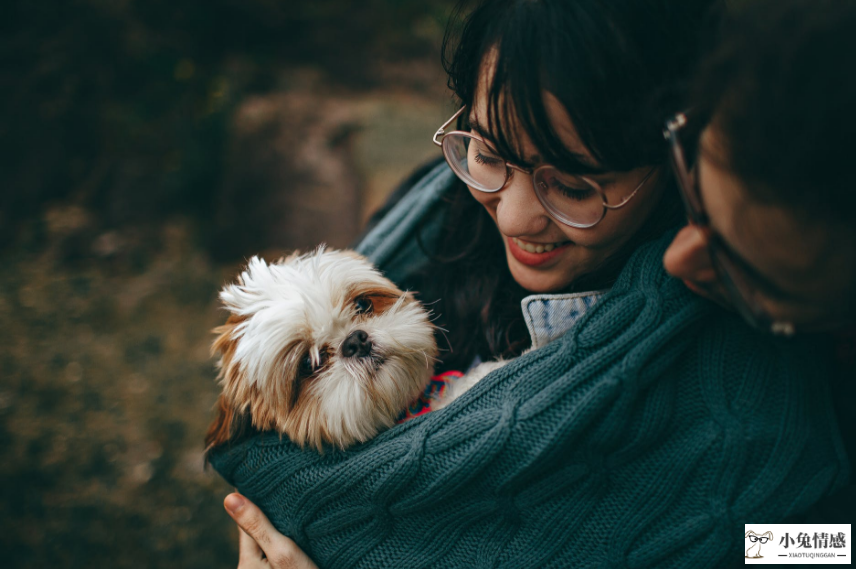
(319, 347)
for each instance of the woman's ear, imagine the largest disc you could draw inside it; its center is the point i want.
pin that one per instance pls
(688, 258)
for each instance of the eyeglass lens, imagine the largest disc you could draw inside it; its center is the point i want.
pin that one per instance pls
(569, 198)
(475, 163)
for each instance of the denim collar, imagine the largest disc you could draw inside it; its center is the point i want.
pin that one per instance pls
(549, 316)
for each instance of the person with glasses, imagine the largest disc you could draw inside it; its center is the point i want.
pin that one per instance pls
(638, 424)
(761, 159)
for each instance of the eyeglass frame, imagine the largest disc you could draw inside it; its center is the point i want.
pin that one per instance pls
(552, 210)
(721, 255)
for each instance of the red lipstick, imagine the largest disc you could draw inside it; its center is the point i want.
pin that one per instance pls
(533, 259)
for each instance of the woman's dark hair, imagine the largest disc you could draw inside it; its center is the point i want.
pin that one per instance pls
(780, 94)
(620, 68)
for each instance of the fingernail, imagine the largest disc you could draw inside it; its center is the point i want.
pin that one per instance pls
(234, 502)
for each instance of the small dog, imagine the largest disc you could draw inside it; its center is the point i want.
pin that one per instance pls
(319, 347)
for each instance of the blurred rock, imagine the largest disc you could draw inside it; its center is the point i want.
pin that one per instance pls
(290, 181)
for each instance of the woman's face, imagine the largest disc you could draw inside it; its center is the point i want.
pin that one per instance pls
(526, 227)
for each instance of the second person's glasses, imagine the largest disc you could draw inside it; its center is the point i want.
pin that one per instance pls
(744, 297)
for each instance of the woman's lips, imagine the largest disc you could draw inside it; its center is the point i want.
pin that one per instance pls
(534, 259)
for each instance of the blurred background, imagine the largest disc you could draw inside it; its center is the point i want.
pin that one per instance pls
(148, 148)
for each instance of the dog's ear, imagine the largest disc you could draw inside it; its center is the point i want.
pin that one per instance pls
(769, 535)
(231, 426)
(225, 343)
(220, 430)
(748, 533)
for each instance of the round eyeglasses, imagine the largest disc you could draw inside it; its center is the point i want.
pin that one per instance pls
(576, 201)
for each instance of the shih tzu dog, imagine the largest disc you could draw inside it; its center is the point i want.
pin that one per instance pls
(321, 348)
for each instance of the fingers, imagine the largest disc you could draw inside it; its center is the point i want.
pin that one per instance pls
(259, 536)
(249, 552)
(250, 519)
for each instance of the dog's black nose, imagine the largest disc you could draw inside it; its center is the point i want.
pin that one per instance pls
(357, 344)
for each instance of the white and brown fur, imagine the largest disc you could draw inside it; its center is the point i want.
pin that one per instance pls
(287, 355)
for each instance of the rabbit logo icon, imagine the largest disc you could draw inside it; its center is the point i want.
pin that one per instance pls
(754, 542)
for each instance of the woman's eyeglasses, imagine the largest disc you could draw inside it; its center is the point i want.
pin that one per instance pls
(743, 295)
(576, 201)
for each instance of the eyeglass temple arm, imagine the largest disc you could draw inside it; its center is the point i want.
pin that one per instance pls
(442, 130)
(670, 133)
(633, 193)
(679, 161)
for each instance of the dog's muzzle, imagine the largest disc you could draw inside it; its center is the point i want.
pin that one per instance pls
(357, 345)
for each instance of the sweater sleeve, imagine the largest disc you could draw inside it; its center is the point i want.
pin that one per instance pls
(645, 437)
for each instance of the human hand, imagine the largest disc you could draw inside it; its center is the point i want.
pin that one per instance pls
(260, 544)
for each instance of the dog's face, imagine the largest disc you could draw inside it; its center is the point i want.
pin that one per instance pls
(320, 347)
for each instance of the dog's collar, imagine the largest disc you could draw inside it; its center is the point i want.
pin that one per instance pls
(433, 391)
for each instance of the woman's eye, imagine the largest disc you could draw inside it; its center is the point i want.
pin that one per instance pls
(486, 160)
(575, 194)
(570, 192)
(482, 154)
(568, 186)
(363, 305)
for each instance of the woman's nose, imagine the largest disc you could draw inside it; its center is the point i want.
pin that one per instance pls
(518, 211)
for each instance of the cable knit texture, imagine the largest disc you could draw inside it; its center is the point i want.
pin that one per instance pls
(646, 436)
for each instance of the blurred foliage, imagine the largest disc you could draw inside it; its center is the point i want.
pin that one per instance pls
(123, 105)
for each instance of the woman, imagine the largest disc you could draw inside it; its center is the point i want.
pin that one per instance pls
(647, 423)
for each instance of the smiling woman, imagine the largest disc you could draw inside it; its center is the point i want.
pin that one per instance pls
(557, 142)
(574, 202)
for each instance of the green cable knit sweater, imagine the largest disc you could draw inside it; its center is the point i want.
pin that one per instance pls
(645, 437)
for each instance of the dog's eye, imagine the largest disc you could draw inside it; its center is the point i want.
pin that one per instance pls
(363, 305)
(306, 367)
